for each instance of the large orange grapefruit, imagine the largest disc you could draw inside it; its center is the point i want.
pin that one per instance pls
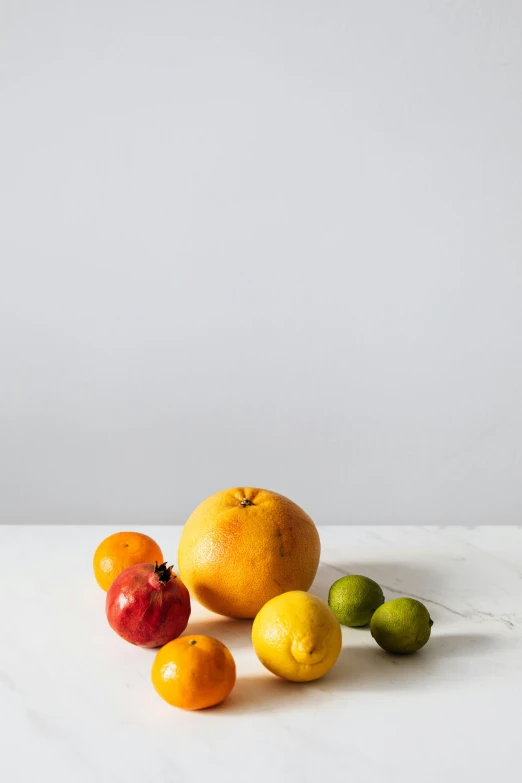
(243, 546)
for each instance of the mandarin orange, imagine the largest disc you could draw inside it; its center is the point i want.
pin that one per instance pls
(121, 550)
(194, 672)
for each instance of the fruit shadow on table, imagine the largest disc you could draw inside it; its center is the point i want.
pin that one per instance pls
(361, 668)
(236, 634)
(395, 578)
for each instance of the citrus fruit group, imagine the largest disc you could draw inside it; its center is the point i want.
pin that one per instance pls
(243, 546)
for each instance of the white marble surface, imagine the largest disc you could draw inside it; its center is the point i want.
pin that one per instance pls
(76, 702)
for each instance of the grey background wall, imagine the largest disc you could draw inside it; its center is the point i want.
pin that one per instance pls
(271, 243)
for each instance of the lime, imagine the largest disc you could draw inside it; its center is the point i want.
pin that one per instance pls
(353, 599)
(401, 626)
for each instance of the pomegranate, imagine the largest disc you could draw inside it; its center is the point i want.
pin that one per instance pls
(148, 605)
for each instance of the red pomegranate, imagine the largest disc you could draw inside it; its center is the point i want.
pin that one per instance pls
(148, 605)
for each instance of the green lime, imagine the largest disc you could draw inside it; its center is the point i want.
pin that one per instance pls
(353, 599)
(401, 626)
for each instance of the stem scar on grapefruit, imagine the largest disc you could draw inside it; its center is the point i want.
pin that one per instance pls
(243, 546)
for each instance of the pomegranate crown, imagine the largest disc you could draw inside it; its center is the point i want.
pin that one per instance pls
(164, 572)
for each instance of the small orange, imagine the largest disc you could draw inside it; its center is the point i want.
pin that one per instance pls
(121, 550)
(194, 672)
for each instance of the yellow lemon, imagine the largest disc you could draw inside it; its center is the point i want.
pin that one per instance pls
(297, 636)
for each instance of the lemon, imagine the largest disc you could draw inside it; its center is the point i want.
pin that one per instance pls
(353, 599)
(401, 626)
(297, 636)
